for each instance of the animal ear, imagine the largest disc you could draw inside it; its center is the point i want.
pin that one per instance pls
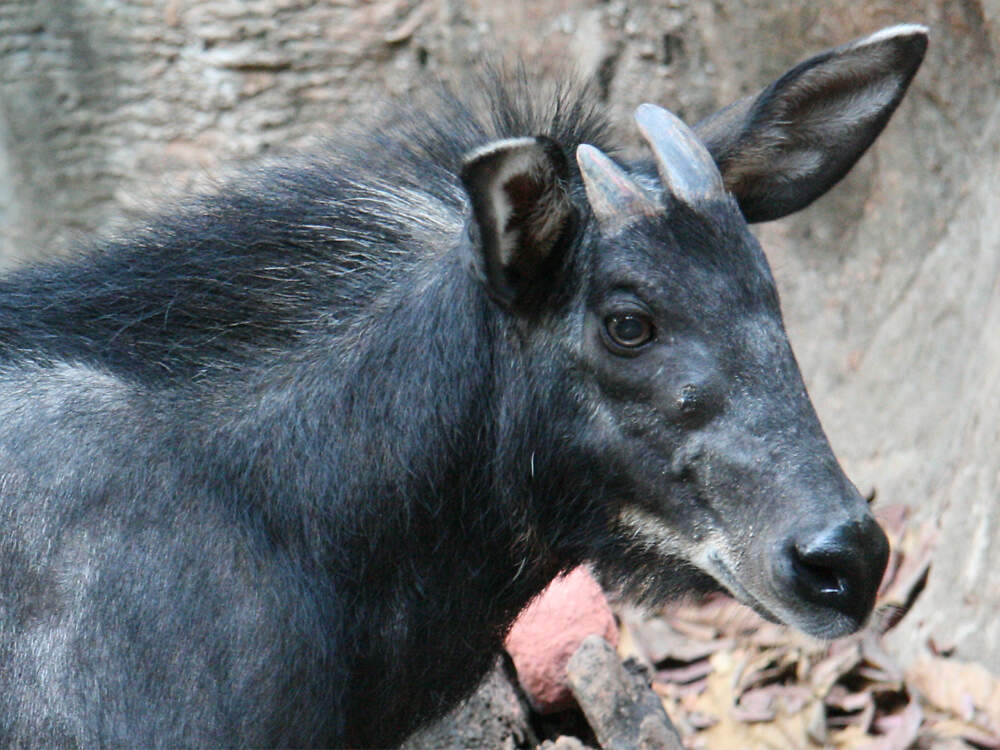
(780, 150)
(521, 215)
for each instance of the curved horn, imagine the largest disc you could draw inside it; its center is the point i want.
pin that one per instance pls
(613, 196)
(686, 168)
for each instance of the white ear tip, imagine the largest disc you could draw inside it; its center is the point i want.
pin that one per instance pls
(893, 32)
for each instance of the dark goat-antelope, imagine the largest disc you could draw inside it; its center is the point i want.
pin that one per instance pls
(280, 468)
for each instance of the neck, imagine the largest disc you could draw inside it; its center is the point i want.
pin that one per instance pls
(403, 464)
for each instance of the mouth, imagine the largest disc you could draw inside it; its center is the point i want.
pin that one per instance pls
(800, 596)
(721, 573)
(825, 625)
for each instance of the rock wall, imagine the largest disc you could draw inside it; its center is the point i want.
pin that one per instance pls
(891, 283)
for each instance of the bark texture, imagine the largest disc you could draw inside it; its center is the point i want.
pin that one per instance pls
(891, 284)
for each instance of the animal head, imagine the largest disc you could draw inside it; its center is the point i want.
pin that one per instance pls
(645, 283)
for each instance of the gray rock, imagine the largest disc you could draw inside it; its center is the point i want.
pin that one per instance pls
(495, 717)
(619, 704)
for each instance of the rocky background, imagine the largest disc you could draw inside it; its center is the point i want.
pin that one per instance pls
(891, 284)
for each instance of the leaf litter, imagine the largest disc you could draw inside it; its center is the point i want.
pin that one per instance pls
(729, 679)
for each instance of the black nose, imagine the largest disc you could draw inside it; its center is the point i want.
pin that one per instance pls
(839, 567)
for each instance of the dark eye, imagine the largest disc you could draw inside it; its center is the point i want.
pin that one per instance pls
(628, 331)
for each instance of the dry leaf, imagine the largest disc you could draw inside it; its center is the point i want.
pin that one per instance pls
(959, 688)
(850, 738)
(769, 666)
(660, 642)
(899, 730)
(916, 550)
(785, 729)
(840, 661)
(959, 730)
(687, 674)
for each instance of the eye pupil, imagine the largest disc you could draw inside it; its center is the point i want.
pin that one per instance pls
(629, 330)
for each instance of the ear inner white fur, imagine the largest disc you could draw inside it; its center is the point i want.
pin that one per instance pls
(520, 207)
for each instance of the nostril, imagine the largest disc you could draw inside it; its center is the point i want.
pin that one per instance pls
(819, 575)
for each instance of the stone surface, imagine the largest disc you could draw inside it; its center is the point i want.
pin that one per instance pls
(563, 743)
(619, 704)
(495, 717)
(550, 630)
(890, 283)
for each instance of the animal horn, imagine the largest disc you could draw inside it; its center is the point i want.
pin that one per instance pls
(686, 169)
(614, 197)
